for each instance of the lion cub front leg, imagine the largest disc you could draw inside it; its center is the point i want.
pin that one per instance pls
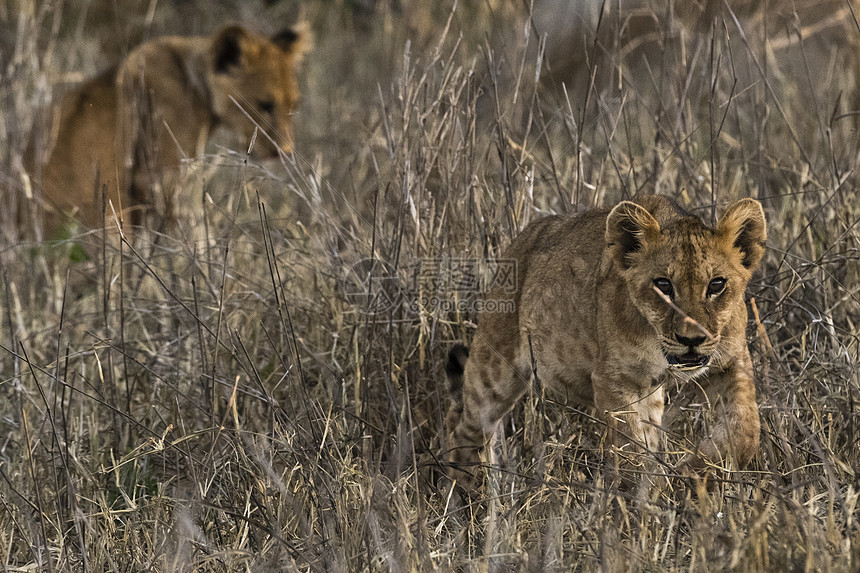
(734, 434)
(483, 389)
(633, 415)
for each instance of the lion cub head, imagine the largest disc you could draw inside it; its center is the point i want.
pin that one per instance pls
(252, 81)
(672, 261)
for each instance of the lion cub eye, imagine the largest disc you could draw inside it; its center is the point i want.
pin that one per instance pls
(716, 286)
(266, 106)
(665, 286)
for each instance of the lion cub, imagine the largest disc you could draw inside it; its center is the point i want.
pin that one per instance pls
(609, 305)
(130, 126)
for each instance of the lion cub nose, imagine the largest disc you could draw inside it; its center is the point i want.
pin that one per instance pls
(691, 342)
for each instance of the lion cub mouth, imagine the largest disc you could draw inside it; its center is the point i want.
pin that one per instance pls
(688, 360)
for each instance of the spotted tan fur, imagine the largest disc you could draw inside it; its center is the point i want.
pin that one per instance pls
(602, 335)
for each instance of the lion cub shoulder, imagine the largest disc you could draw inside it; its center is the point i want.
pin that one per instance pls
(128, 129)
(609, 303)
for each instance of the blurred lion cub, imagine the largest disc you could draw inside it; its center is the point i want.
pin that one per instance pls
(127, 128)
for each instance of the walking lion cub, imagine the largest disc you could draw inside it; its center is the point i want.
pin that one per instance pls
(127, 129)
(610, 304)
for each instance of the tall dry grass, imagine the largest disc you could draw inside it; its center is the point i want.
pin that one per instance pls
(231, 396)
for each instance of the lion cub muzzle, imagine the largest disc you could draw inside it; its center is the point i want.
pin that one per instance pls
(688, 361)
(686, 353)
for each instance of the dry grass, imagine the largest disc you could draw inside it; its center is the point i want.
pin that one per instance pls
(220, 399)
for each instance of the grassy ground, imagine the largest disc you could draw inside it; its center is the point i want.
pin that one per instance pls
(232, 397)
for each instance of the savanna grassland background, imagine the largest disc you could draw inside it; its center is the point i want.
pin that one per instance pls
(261, 387)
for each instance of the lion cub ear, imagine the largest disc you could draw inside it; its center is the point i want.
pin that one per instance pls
(227, 48)
(295, 41)
(628, 227)
(743, 226)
